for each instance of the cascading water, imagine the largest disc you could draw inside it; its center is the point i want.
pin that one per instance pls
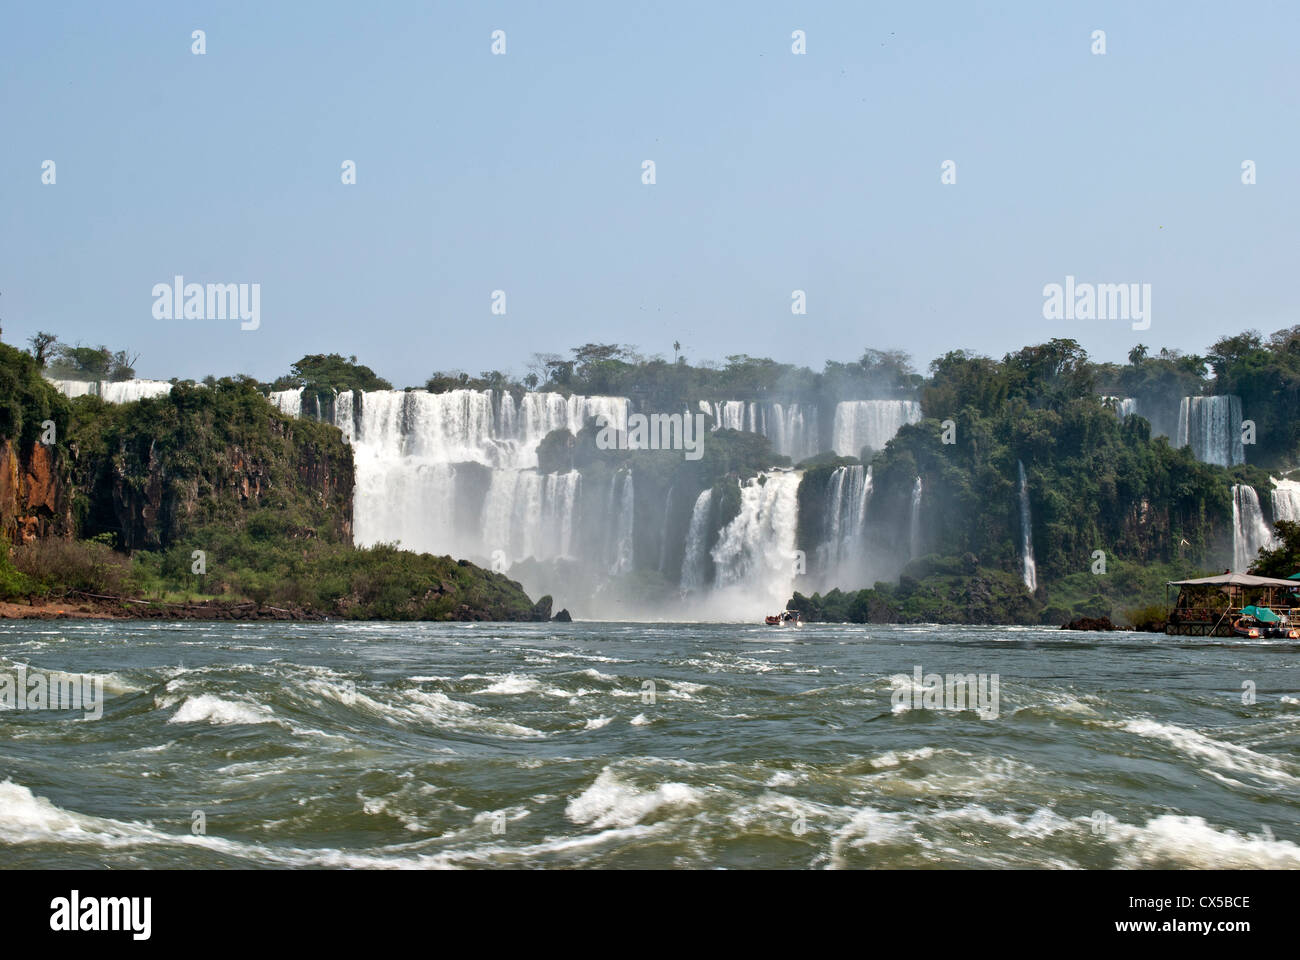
(791, 427)
(456, 473)
(113, 391)
(696, 560)
(288, 402)
(1123, 406)
(754, 558)
(1286, 500)
(663, 533)
(914, 520)
(1211, 426)
(870, 423)
(528, 514)
(1029, 570)
(1250, 532)
(420, 469)
(621, 504)
(846, 515)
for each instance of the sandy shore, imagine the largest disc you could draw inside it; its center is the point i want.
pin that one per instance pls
(63, 610)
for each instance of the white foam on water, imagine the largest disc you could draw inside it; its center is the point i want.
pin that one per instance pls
(869, 827)
(783, 778)
(207, 708)
(1038, 825)
(113, 683)
(896, 758)
(1192, 842)
(640, 720)
(414, 707)
(613, 802)
(1227, 756)
(513, 684)
(595, 723)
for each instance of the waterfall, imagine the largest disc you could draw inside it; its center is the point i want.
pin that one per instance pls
(846, 515)
(1211, 426)
(288, 402)
(914, 522)
(841, 555)
(1286, 500)
(1250, 532)
(75, 388)
(112, 391)
(528, 514)
(621, 503)
(754, 556)
(416, 481)
(695, 562)
(870, 423)
(1029, 570)
(457, 473)
(1123, 406)
(663, 531)
(790, 427)
(127, 391)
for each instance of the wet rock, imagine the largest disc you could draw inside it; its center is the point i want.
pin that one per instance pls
(1089, 623)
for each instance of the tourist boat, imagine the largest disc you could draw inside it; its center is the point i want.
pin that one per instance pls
(782, 618)
(1234, 604)
(1256, 622)
(1246, 627)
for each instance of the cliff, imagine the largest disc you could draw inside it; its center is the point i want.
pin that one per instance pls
(34, 493)
(35, 496)
(153, 472)
(217, 506)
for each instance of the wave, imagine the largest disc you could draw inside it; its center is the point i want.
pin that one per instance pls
(611, 801)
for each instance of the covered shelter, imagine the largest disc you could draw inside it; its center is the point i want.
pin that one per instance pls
(1208, 606)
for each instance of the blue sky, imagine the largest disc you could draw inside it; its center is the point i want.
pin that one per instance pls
(522, 172)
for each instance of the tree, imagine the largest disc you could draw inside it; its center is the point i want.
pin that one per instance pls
(1284, 559)
(121, 366)
(1228, 351)
(42, 342)
(331, 372)
(1137, 354)
(79, 362)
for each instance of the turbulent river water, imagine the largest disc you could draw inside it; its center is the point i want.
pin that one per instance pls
(491, 745)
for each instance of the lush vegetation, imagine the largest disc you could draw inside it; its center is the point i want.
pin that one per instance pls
(77, 362)
(606, 369)
(216, 469)
(209, 492)
(320, 376)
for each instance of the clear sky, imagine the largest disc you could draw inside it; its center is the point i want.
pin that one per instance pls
(523, 173)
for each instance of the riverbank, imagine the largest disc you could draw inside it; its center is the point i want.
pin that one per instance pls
(103, 608)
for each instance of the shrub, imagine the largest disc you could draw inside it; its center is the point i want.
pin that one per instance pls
(54, 565)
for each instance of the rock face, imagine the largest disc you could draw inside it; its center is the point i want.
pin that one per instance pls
(1090, 623)
(563, 617)
(34, 493)
(542, 609)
